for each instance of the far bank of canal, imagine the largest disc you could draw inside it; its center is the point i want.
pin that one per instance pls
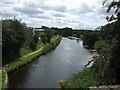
(69, 57)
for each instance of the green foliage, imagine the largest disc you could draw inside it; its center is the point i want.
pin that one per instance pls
(47, 35)
(28, 50)
(33, 45)
(35, 38)
(99, 45)
(89, 39)
(18, 64)
(67, 32)
(52, 45)
(50, 32)
(107, 65)
(21, 62)
(1, 80)
(83, 79)
(44, 38)
(78, 35)
(13, 37)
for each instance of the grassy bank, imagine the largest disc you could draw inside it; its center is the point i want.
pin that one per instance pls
(3, 79)
(82, 79)
(44, 49)
(28, 50)
(18, 64)
(41, 49)
(52, 45)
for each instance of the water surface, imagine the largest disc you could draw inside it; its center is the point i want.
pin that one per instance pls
(69, 57)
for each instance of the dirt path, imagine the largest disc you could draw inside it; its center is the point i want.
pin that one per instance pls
(30, 54)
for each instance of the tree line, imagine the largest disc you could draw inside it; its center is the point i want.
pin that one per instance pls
(16, 35)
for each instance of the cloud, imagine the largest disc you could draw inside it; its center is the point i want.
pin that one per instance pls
(82, 9)
(59, 13)
(8, 12)
(28, 10)
(59, 8)
(7, 1)
(43, 17)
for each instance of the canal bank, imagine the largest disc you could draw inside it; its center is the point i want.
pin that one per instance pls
(32, 56)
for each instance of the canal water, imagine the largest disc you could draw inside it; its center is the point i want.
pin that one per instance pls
(69, 57)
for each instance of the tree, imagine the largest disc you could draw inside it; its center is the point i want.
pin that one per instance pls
(35, 38)
(67, 32)
(115, 38)
(33, 42)
(33, 45)
(13, 36)
(49, 34)
(116, 5)
(99, 45)
(44, 38)
(89, 39)
(78, 35)
(107, 65)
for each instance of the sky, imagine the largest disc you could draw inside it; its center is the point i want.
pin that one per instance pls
(77, 14)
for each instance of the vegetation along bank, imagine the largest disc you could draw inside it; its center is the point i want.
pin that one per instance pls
(54, 42)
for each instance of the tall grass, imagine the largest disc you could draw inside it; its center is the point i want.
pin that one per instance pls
(83, 79)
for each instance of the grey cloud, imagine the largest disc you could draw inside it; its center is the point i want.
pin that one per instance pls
(54, 15)
(101, 11)
(40, 16)
(28, 10)
(45, 7)
(9, 15)
(60, 8)
(82, 10)
(58, 15)
(43, 17)
(54, 8)
(7, 1)
(41, 4)
(85, 9)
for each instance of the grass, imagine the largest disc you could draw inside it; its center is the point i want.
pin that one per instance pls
(21, 62)
(40, 46)
(25, 60)
(25, 52)
(28, 50)
(0, 81)
(83, 79)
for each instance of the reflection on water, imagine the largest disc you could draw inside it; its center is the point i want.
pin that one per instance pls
(67, 58)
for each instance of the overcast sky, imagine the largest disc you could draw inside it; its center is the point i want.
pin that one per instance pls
(78, 14)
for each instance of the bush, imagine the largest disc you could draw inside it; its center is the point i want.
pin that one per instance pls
(44, 38)
(83, 79)
(33, 45)
(99, 45)
(89, 39)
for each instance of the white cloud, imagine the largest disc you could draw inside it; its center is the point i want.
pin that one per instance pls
(59, 13)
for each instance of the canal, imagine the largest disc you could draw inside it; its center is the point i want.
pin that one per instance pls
(69, 57)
